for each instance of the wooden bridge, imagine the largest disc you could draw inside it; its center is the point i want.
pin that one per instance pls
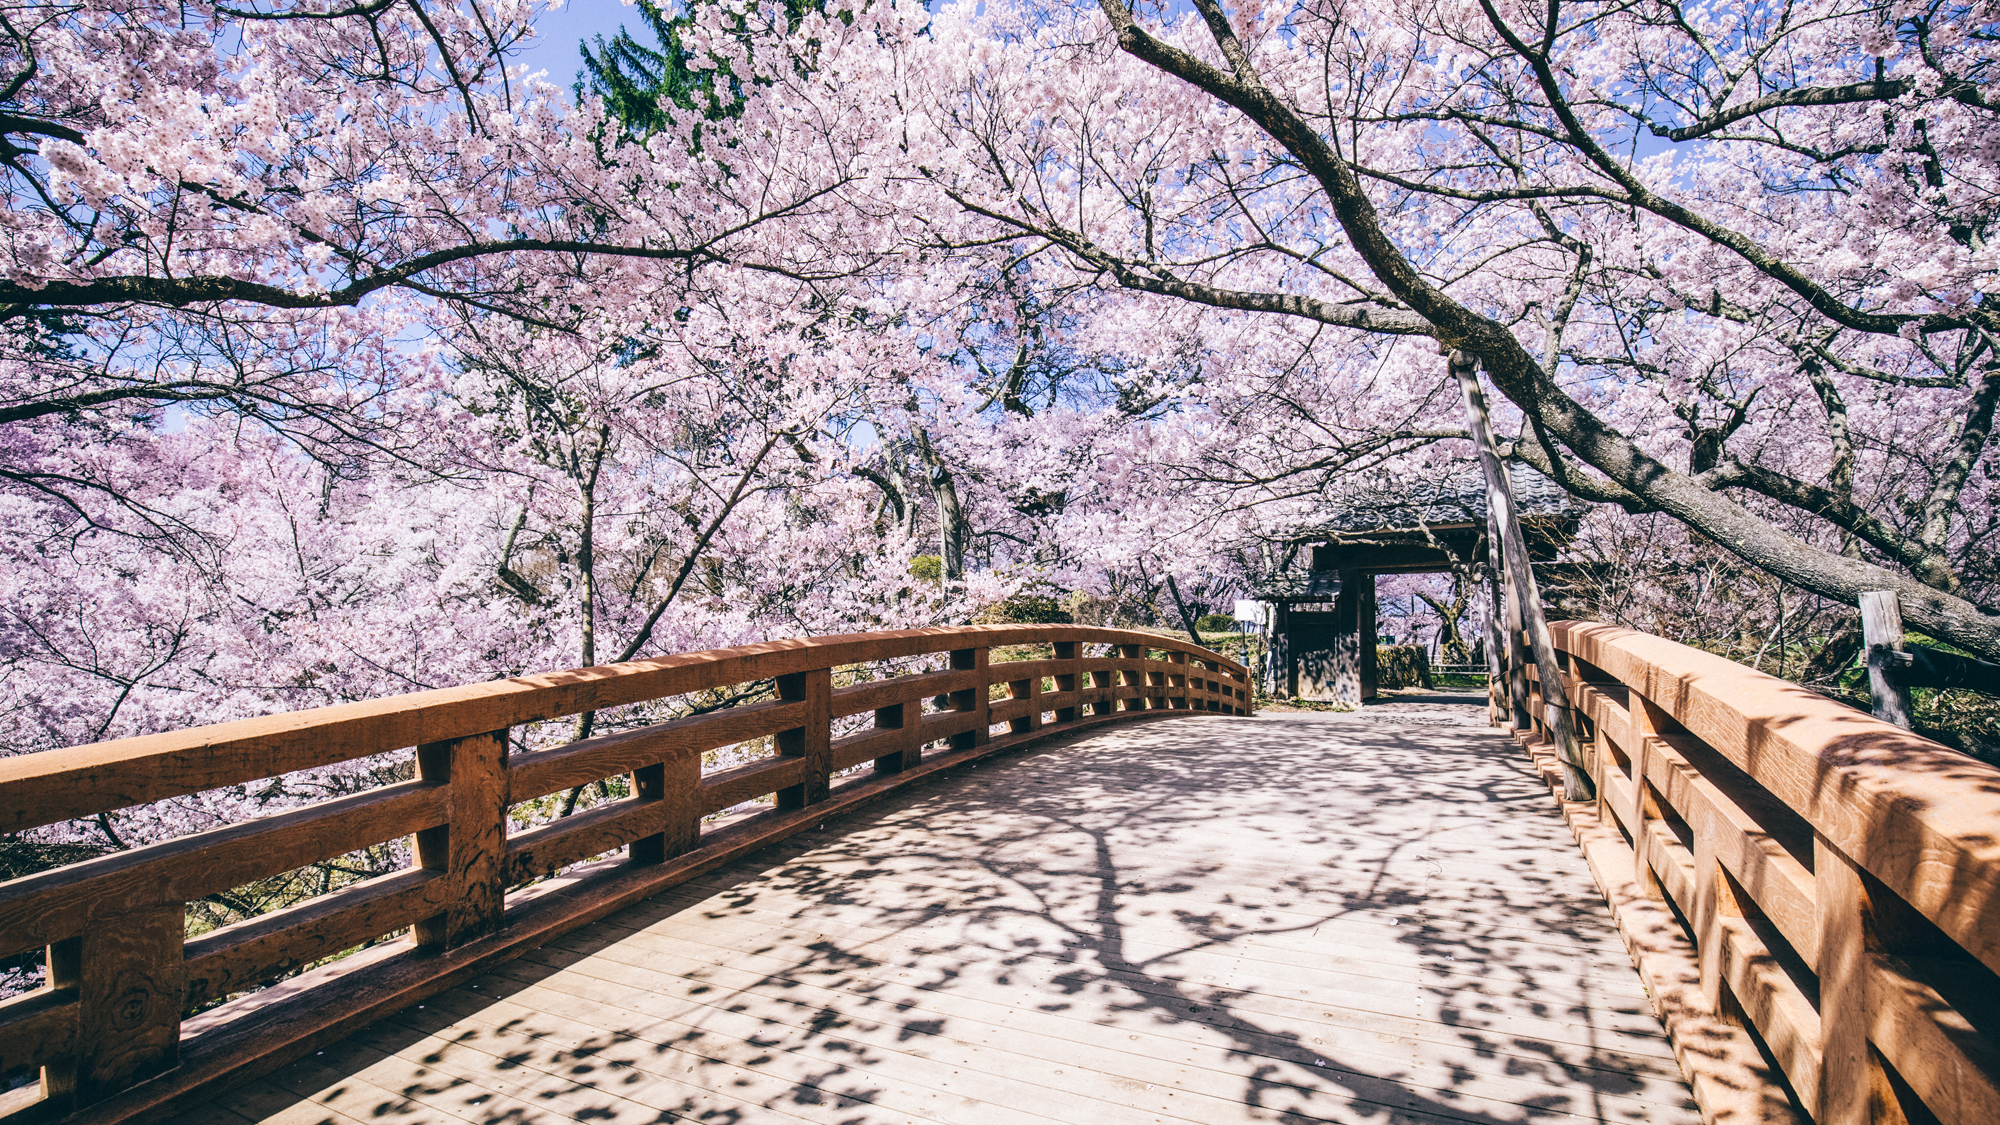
(1087, 885)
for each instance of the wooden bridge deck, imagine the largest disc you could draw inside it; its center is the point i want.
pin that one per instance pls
(1298, 917)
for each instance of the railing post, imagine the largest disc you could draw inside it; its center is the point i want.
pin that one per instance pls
(674, 783)
(1103, 680)
(470, 847)
(1070, 681)
(1133, 679)
(973, 698)
(1649, 720)
(1177, 682)
(896, 716)
(1853, 1090)
(1715, 904)
(1029, 689)
(813, 741)
(130, 981)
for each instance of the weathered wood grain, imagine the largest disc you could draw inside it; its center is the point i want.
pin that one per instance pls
(1816, 852)
(541, 772)
(37, 1027)
(470, 848)
(130, 980)
(52, 905)
(1155, 927)
(260, 949)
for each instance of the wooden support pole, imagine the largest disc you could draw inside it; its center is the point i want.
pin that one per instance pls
(470, 847)
(1367, 672)
(1100, 680)
(1497, 706)
(1882, 636)
(1521, 576)
(1649, 721)
(1177, 682)
(1508, 620)
(1029, 689)
(898, 716)
(813, 741)
(1350, 635)
(1281, 679)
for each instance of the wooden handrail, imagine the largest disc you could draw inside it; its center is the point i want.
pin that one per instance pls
(1797, 880)
(110, 1029)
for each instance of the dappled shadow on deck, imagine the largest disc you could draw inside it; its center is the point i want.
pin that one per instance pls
(1295, 918)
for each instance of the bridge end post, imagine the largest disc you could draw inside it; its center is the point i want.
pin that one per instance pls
(1882, 636)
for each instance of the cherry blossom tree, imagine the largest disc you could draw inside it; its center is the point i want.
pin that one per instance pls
(1732, 265)
(339, 359)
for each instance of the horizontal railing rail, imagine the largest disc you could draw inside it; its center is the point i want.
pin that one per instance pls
(112, 1032)
(1801, 885)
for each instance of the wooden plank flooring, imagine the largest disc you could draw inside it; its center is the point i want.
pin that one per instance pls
(1300, 917)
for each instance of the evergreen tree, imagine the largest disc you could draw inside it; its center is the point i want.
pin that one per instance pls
(640, 81)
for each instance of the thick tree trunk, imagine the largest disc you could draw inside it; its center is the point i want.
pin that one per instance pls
(953, 528)
(1187, 621)
(1451, 633)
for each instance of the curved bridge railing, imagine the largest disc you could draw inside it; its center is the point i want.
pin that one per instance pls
(108, 1031)
(1800, 884)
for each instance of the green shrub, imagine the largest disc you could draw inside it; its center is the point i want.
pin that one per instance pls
(1025, 609)
(929, 568)
(1215, 623)
(1398, 666)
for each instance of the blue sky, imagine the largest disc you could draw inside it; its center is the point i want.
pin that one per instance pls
(565, 25)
